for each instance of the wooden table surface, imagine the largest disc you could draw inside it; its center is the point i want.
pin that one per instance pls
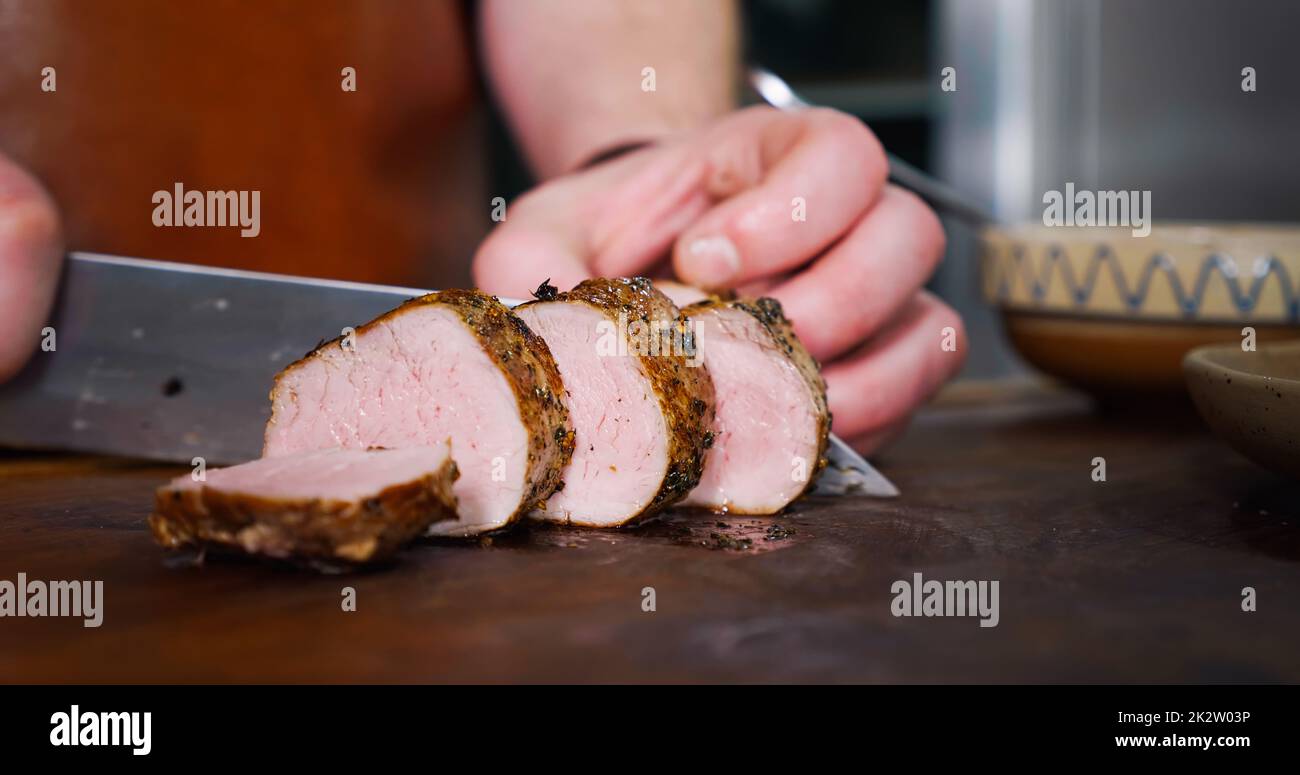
(1135, 579)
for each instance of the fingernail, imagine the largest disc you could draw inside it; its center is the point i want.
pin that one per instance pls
(712, 262)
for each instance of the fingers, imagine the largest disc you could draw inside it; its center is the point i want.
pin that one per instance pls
(867, 277)
(641, 215)
(792, 184)
(31, 252)
(617, 220)
(896, 371)
(529, 247)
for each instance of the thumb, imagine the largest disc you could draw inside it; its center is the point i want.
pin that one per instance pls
(519, 256)
(618, 219)
(645, 204)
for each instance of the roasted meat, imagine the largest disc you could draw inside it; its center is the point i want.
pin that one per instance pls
(335, 506)
(640, 399)
(452, 365)
(772, 421)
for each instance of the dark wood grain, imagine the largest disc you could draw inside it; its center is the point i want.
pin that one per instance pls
(1138, 578)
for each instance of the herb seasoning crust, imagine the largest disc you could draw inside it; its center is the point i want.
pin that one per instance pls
(310, 530)
(685, 392)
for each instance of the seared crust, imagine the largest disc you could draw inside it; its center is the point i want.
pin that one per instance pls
(768, 312)
(312, 530)
(685, 392)
(526, 362)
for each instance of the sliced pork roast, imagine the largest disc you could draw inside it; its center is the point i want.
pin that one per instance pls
(639, 397)
(772, 420)
(451, 365)
(347, 506)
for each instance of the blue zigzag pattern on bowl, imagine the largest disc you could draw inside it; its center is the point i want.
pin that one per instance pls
(1189, 303)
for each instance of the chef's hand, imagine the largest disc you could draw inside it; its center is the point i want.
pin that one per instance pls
(791, 205)
(31, 250)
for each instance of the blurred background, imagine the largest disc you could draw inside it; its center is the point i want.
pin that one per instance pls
(391, 184)
(1108, 94)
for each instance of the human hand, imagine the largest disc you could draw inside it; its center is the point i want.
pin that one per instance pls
(31, 252)
(719, 207)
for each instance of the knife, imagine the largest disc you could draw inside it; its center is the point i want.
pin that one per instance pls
(165, 361)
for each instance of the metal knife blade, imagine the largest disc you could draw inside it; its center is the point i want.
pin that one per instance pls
(166, 361)
(170, 361)
(848, 473)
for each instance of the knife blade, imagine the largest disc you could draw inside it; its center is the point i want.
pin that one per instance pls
(169, 361)
(848, 473)
(165, 361)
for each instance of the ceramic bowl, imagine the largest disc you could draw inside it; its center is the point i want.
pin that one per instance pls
(1251, 400)
(1116, 313)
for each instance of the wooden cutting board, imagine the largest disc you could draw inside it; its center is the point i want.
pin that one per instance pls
(1138, 578)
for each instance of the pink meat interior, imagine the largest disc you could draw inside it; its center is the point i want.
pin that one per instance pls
(766, 423)
(336, 474)
(415, 379)
(620, 454)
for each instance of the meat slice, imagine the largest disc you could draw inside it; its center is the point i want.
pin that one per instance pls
(451, 365)
(346, 506)
(639, 397)
(772, 420)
